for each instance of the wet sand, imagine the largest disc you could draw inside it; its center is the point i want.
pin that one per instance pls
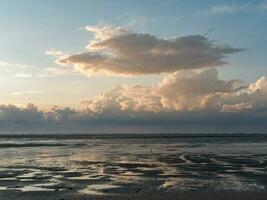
(133, 168)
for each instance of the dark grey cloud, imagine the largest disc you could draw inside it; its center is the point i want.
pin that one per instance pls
(67, 120)
(17, 115)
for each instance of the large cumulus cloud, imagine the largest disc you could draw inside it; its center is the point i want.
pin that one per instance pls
(118, 51)
(191, 90)
(126, 98)
(188, 90)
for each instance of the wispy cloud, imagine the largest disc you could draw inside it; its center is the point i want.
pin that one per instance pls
(234, 8)
(224, 9)
(3, 63)
(21, 93)
(20, 70)
(54, 52)
(57, 71)
(135, 20)
(24, 75)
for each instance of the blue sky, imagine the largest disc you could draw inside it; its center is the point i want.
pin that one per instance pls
(31, 27)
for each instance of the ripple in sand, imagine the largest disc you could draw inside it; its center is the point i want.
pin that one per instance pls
(3, 188)
(8, 179)
(85, 177)
(32, 188)
(98, 189)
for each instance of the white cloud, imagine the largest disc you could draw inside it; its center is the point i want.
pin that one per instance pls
(187, 90)
(251, 98)
(184, 91)
(125, 98)
(105, 32)
(180, 91)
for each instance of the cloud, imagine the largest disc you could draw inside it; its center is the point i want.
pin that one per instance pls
(23, 75)
(190, 92)
(125, 98)
(56, 71)
(15, 114)
(180, 91)
(234, 8)
(20, 70)
(118, 51)
(3, 63)
(251, 98)
(14, 67)
(54, 52)
(187, 90)
(26, 92)
(184, 91)
(30, 114)
(186, 98)
(224, 9)
(102, 33)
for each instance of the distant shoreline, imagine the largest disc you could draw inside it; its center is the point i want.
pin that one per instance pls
(132, 135)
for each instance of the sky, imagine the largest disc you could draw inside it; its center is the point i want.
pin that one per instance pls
(141, 61)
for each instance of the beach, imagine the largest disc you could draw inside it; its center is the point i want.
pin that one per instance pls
(133, 166)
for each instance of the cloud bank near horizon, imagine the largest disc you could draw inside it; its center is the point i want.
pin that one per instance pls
(184, 97)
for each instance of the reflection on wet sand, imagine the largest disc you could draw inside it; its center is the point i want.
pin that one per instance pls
(101, 166)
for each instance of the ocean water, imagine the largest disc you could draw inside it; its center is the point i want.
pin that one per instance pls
(129, 163)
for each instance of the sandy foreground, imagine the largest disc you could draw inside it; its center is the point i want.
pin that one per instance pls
(157, 196)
